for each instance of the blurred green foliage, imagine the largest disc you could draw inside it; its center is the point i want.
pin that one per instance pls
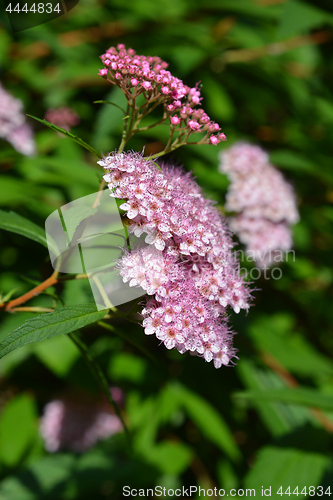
(266, 67)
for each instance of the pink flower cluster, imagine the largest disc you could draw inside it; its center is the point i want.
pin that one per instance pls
(149, 75)
(188, 267)
(62, 117)
(76, 423)
(13, 126)
(265, 202)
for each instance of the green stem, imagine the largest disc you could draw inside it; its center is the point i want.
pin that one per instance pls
(124, 134)
(32, 309)
(133, 114)
(101, 290)
(80, 276)
(68, 134)
(99, 376)
(143, 129)
(164, 152)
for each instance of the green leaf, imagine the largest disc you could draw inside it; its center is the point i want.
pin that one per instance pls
(8, 295)
(10, 221)
(299, 18)
(278, 417)
(14, 191)
(125, 366)
(62, 321)
(299, 396)
(276, 467)
(108, 121)
(17, 429)
(58, 354)
(209, 421)
(170, 457)
(72, 217)
(275, 334)
(68, 134)
(219, 103)
(76, 476)
(294, 161)
(40, 479)
(188, 58)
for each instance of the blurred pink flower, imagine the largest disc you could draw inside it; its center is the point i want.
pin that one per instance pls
(13, 126)
(265, 202)
(76, 423)
(62, 117)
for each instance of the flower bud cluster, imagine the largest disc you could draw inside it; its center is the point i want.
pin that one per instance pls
(265, 202)
(76, 423)
(13, 126)
(136, 75)
(188, 268)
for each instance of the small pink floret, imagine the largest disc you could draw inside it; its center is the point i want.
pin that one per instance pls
(146, 85)
(193, 125)
(174, 120)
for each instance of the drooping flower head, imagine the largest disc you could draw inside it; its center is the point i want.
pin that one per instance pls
(13, 126)
(264, 201)
(148, 76)
(188, 267)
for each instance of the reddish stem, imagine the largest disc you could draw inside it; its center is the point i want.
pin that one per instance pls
(52, 280)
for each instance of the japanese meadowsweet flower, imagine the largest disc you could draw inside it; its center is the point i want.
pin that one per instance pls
(187, 268)
(148, 76)
(13, 126)
(264, 201)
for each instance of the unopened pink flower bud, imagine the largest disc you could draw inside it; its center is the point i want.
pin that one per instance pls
(174, 120)
(214, 140)
(103, 72)
(193, 125)
(134, 82)
(146, 85)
